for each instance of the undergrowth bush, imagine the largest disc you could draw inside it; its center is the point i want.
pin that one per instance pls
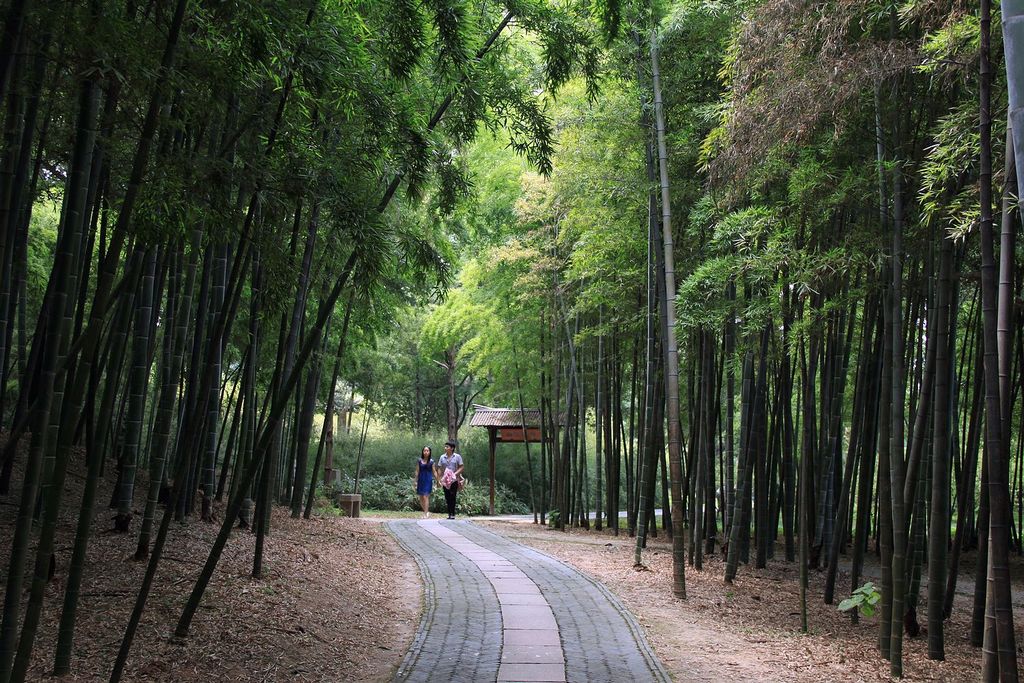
(398, 492)
(392, 450)
(475, 496)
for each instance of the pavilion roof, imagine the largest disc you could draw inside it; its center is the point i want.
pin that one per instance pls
(503, 417)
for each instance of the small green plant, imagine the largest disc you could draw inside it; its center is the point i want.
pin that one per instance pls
(864, 599)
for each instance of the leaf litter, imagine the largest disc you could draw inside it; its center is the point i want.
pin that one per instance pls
(338, 600)
(750, 630)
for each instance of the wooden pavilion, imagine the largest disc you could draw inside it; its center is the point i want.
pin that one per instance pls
(506, 425)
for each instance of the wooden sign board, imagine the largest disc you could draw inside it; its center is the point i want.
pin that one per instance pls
(515, 435)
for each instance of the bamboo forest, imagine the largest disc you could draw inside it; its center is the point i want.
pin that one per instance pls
(701, 318)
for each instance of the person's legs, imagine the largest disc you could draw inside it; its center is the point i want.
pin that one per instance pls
(425, 504)
(449, 499)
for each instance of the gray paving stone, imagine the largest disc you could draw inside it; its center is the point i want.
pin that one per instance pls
(459, 637)
(532, 672)
(600, 639)
(518, 617)
(473, 576)
(545, 637)
(531, 654)
(523, 586)
(522, 599)
(497, 565)
(502, 573)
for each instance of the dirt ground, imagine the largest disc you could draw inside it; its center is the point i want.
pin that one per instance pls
(749, 630)
(340, 601)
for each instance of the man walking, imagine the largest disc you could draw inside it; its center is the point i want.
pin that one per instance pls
(450, 467)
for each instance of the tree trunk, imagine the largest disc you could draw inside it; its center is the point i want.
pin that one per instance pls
(846, 495)
(529, 458)
(213, 366)
(52, 344)
(1004, 661)
(938, 531)
(13, 229)
(870, 441)
(671, 349)
(598, 426)
(139, 380)
(13, 23)
(1013, 52)
(306, 427)
(737, 528)
(809, 366)
(327, 436)
(899, 516)
(889, 620)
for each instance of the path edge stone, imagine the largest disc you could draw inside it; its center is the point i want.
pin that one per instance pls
(429, 602)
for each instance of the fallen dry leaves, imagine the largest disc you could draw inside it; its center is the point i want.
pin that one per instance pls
(338, 601)
(748, 630)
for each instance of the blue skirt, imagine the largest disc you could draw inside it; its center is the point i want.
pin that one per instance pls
(425, 481)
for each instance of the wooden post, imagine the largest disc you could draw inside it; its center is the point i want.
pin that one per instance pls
(492, 433)
(329, 445)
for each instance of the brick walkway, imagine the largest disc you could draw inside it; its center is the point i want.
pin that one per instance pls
(515, 614)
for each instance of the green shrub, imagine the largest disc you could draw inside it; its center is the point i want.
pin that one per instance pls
(474, 499)
(393, 450)
(387, 492)
(398, 492)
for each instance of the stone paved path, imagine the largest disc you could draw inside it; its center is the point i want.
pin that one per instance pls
(499, 611)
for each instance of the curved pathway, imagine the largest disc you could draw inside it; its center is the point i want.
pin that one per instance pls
(495, 610)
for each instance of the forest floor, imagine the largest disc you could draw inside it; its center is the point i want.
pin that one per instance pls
(339, 601)
(750, 630)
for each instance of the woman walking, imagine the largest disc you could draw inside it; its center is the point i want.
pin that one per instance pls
(451, 467)
(425, 479)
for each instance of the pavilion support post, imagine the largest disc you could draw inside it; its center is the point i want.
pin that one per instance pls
(492, 439)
